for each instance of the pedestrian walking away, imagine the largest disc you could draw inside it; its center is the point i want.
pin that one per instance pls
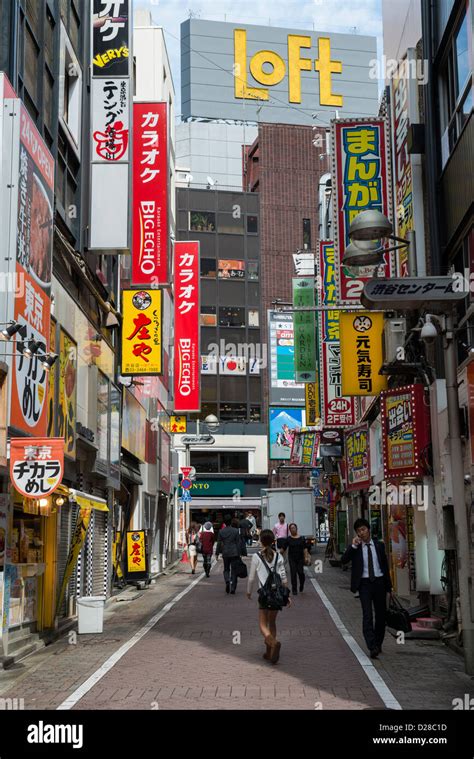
(371, 578)
(192, 541)
(253, 529)
(269, 567)
(245, 527)
(229, 545)
(297, 554)
(207, 538)
(281, 532)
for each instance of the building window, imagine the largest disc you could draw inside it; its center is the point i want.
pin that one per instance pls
(208, 316)
(252, 225)
(205, 462)
(228, 224)
(252, 269)
(253, 318)
(70, 91)
(231, 316)
(255, 414)
(233, 412)
(208, 267)
(234, 461)
(202, 221)
(307, 234)
(456, 88)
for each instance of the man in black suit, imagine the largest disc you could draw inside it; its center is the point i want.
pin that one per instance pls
(371, 578)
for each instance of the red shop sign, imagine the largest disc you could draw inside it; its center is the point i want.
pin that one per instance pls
(186, 327)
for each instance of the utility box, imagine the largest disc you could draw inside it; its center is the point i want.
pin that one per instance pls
(394, 338)
(90, 614)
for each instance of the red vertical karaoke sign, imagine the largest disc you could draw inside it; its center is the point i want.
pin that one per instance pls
(186, 327)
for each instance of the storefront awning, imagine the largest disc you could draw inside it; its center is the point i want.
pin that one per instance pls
(88, 501)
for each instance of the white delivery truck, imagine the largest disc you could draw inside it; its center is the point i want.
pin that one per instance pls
(298, 506)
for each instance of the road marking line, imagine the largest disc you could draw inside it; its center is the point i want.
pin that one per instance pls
(367, 666)
(112, 660)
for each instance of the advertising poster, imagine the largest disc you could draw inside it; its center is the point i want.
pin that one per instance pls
(406, 431)
(337, 410)
(284, 422)
(67, 393)
(34, 250)
(36, 465)
(305, 449)
(283, 389)
(398, 535)
(187, 353)
(230, 269)
(362, 353)
(110, 37)
(136, 557)
(357, 457)
(150, 194)
(361, 180)
(52, 383)
(141, 332)
(304, 329)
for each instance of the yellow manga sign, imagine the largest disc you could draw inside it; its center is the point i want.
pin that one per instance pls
(136, 558)
(362, 353)
(141, 332)
(178, 424)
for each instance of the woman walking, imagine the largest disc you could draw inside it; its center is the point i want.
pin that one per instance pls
(207, 538)
(262, 563)
(191, 540)
(297, 552)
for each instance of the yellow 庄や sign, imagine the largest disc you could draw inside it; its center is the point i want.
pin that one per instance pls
(136, 558)
(141, 332)
(178, 424)
(362, 353)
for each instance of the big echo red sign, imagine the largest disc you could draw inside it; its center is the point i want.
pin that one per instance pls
(186, 327)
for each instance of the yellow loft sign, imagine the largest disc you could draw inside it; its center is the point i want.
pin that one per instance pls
(296, 64)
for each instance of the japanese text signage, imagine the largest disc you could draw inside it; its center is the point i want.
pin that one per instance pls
(356, 451)
(305, 330)
(36, 465)
(336, 410)
(150, 194)
(282, 385)
(187, 350)
(305, 449)
(312, 404)
(136, 557)
(34, 250)
(110, 37)
(406, 430)
(67, 393)
(110, 119)
(361, 353)
(362, 181)
(141, 332)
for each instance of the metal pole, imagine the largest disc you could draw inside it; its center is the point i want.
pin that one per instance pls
(412, 263)
(462, 527)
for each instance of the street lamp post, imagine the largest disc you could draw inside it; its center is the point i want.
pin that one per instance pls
(371, 225)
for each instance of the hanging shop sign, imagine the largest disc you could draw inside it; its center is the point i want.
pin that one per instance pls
(178, 424)
(36, 465)
(186, 327)
(283, 389)
(34, 250)
(136, 556)
(362, 353)
(312, 405)
(150, 194)
(406, 431)
(337, 410)
(111, 103)
(402, 165)
(411, 293)
(357, 458)
(305, 329)
(362, 180)
(305, 449)
(141, 332)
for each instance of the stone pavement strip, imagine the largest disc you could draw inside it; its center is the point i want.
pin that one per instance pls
(206, 653)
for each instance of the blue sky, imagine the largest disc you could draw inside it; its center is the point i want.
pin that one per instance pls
(358, 16)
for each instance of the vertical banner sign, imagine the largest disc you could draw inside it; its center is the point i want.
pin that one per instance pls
(305, 329)
(141, 332)
(411, 547)
(111, 30)
(34, 251)
(362, 353)
(312, 405)
(356, 452)
(36, 465)
(402, 167)
(150, 194)
(282, 386)
(136, 556)
(336, 410)
(67, 393)
(362, 180)
(406, 431)
(187, 350)
(77, 541)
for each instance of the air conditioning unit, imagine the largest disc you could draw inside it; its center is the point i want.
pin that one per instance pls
(394, 338)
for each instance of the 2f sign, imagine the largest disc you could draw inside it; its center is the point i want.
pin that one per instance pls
(296, 64)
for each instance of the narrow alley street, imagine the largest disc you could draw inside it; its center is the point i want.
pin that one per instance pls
(205, 652)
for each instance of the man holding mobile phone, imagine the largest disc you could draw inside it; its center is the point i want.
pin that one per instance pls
(370, 576)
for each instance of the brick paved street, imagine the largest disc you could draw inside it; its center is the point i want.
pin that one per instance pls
(206, 653)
